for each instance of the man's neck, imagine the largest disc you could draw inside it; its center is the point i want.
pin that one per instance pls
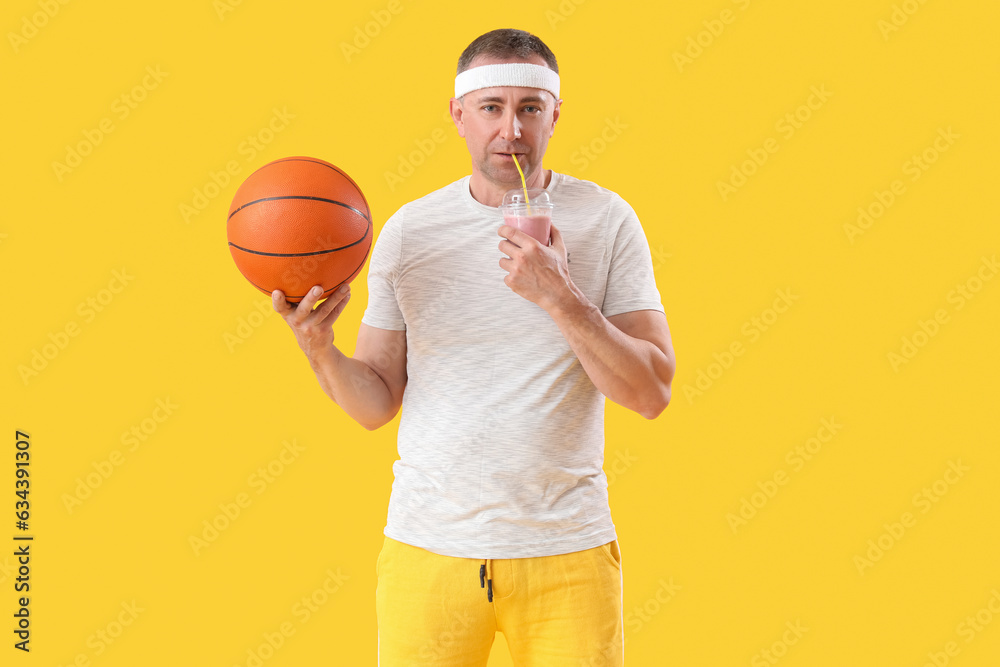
(491, 194)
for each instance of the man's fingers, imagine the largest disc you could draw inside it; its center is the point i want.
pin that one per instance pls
(305, 307)
(331, 302)
(326, 313)
(281, 306)
(557, 243)
(511, 234)
(556, 236)
(508, 247)
(334, 305)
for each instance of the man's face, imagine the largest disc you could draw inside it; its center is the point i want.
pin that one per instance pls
(496, 122)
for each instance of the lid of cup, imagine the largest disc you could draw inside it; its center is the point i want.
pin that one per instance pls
(536, 196)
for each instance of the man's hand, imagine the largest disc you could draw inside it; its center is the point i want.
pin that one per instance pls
(538, 273)
(313, 329)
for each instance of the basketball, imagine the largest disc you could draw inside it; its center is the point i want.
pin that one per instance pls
(298, 222)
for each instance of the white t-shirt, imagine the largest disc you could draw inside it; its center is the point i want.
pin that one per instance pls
(501, 437)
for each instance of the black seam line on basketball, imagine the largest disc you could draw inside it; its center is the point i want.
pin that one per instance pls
(329, 201)
(303, 254)
(329, 166)
(296, 296)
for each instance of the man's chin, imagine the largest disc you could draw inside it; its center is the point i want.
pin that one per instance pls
(503, 175)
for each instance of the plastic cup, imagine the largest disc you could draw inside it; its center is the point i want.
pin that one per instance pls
(538, 222)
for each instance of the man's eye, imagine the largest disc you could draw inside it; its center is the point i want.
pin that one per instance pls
(489, 107)
(531, 109)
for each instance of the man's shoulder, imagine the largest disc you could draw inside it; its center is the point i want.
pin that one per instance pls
(570, 181)
(447, 194)
(430, 206)
(580, 190)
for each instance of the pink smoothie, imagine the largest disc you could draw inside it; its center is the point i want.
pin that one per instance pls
(536, 226)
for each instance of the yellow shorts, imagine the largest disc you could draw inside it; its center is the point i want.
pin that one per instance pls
(439, 611)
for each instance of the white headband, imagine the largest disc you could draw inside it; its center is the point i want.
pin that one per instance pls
(522, 75)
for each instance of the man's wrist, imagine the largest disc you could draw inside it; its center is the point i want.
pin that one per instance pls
(325, 358)
(571, 305)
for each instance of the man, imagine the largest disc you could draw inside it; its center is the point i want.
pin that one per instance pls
(498, 518)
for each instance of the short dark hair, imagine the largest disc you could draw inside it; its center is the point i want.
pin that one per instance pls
(506, 43)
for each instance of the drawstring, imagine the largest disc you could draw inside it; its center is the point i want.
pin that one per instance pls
(486, 576)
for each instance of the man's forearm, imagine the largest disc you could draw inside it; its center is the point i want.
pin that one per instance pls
(354, 386)
(631, 372)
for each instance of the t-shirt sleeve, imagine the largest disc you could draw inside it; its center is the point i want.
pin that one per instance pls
(631, 283)
(383, 270)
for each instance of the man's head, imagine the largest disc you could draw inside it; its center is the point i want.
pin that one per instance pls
(497, 117)
(507, 44)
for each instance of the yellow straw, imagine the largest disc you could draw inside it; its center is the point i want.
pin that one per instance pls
(524, 186)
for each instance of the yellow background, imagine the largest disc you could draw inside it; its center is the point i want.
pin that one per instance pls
(696, 591)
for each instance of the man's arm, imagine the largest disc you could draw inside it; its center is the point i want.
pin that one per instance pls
(629, 357)
(368, 386)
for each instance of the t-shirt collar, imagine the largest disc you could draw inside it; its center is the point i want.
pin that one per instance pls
(492, 210)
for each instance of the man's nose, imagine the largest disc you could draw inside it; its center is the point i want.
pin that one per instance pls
(511, 127)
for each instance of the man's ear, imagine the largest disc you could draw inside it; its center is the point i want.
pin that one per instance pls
(456, 111)
(555, 117)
